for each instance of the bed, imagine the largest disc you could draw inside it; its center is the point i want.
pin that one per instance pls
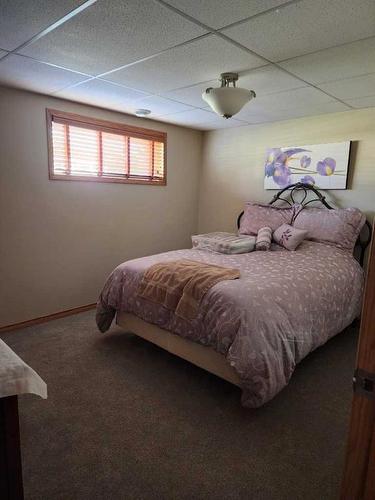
(253, 331)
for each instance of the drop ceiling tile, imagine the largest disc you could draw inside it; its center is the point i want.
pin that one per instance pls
(351, 88)
(198, 61)
(103, 94)
(223, 123)
(200, 119)
(352, 59)
(317, 109)
(263, 81)
(217, 14)
(160, 106)
(305, 97)
(306, 26)
(20, 20)
(192, 95)
(256, 116)
(23, 72)
(362, 102)
(269, 80)
(110, 34)
(268, 116)
(289, 104)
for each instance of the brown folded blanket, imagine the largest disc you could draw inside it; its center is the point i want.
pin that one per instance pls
(181, 285)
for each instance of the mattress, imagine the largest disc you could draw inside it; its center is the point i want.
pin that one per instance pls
(285, 305)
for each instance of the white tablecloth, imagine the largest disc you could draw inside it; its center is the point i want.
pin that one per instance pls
(16, 377)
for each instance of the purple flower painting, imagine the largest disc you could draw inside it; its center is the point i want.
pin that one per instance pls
(326, 167)
(323, 165)
(305, 161)
(277, 165)
(308, 179)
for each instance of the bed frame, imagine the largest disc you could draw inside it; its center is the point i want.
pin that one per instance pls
(198, 354)
(203, 356)
(305, 195)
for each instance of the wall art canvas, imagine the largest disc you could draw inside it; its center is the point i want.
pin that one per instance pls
(324, 166)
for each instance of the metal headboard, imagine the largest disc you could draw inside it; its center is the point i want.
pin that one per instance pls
(306, 194)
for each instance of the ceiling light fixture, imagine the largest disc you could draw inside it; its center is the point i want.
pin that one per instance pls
(142, 112)
(226, 101)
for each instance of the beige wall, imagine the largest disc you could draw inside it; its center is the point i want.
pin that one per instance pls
(233, 159)
(59, 240)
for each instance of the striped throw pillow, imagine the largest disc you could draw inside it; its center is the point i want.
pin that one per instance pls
(264, 238)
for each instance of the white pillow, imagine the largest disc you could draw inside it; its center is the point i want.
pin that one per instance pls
(228, 243)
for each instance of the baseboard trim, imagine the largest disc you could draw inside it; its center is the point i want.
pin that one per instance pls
(44, 319)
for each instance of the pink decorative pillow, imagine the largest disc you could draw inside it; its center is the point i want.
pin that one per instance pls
(257, 216)
(289, 237)
(339, 227)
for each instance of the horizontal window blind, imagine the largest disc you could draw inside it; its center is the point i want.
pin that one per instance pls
(86, 149)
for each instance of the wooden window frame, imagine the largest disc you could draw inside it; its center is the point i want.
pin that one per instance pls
(103, 126)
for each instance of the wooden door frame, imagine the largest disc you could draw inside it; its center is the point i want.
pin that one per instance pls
(358, 481)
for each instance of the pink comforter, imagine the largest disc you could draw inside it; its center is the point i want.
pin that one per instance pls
(284, 306)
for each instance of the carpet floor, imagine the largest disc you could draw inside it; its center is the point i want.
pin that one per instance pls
(126, 420)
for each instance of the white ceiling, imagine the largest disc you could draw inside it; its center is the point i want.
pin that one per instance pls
(302, 57)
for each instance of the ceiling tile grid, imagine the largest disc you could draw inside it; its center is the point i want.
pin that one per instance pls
(351, 88)
(161, 106)
(265, 80)
(192, 94)
(362, 102)
(113, 33)
(276, 115)
(285, 105)
(337, 63)
(198, 61)
(20, 20)
(269, 80)
(23, 72)
(201, 119)
(102, 94)
(218, 14)
(301, 57)
(306, 26)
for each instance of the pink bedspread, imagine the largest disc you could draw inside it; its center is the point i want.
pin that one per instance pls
(284, 306)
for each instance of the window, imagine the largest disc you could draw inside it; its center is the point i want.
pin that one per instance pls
(83, 148)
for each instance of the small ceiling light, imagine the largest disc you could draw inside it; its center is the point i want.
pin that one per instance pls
(142, 112)
(226, 101)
